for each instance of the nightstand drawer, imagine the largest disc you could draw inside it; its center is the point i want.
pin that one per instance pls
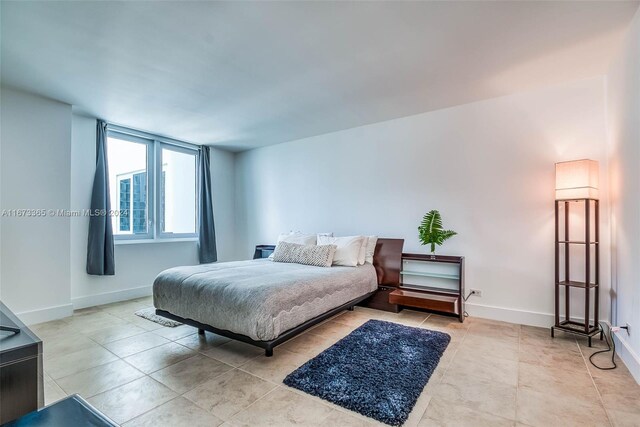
(423, 299)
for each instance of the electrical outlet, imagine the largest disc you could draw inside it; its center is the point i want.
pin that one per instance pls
(618, 329)
(476, 292)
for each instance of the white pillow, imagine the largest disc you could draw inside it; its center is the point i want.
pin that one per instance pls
(363, 250)
(296, 237)
(371, 248)
(325, 234)
(348, 249)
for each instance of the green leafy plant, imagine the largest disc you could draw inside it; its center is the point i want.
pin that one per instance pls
(431, 232)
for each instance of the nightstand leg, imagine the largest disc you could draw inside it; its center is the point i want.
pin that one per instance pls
(200, 331)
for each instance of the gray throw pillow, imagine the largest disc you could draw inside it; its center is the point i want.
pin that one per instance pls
(318, 255)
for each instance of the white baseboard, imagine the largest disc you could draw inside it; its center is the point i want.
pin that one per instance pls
(61, 311)
(45, 314)
(627, 354)
(109, 297)
(524, 317)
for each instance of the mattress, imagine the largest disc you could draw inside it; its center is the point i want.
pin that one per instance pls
(259, 298)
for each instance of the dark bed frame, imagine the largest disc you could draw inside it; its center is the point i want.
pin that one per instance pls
(387, 262)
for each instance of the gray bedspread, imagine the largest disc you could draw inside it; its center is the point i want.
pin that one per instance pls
(258, 298)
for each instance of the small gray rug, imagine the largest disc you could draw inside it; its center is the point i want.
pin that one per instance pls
(149, 313)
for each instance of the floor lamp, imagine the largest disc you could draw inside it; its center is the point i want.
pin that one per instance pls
(577, 194)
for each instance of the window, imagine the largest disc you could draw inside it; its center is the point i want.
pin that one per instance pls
(128, 159)
(144, 168)
(131, 201)
(177, 191)
(124, 204)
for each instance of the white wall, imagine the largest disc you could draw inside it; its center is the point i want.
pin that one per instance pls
(623, 105)
(137, 264)
(36, 160)
(487, 166)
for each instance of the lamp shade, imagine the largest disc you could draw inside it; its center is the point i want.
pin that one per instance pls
(577, 179)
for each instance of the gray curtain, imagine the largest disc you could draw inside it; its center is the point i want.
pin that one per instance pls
(100, 259)
(207, 247)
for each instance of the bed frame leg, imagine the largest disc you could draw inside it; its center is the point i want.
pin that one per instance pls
(268, 352)
(200, 331)
(350, 308)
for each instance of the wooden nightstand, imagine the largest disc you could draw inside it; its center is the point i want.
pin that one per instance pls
(263, 251)
(431, 282)
(388, 263)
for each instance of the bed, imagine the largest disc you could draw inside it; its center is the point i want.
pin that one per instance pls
(265, 303)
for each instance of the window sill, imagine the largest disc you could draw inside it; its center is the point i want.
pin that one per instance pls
(154, 241)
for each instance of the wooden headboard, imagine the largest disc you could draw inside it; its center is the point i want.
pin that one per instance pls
(387, 259)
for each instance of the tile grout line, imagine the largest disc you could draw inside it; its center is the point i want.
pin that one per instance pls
(83, 370)
(156, 407)
(467, 331)
(191, 389)
(425, 319)
(251, 404)
(584, 359)
(454, 353)
(112, 388)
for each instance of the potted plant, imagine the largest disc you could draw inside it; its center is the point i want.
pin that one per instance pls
(431, 233)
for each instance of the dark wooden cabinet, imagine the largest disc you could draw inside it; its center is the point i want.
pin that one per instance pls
(380, 301)
(21, 374)
(434, 283)
(263, 251)
(388, 262)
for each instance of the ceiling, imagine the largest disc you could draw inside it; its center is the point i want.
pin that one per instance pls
(246, 74)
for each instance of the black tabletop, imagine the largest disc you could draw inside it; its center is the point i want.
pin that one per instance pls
(72, 411)
(16, 346)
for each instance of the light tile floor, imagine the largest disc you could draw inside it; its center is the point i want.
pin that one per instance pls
(142, 374)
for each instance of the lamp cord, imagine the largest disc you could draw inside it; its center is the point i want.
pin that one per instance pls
(610, 346)
(465, 300)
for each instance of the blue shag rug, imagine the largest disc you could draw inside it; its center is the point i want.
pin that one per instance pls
(379, 370)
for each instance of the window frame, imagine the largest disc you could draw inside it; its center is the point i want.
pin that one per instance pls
(158, 158)
(154, 144)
